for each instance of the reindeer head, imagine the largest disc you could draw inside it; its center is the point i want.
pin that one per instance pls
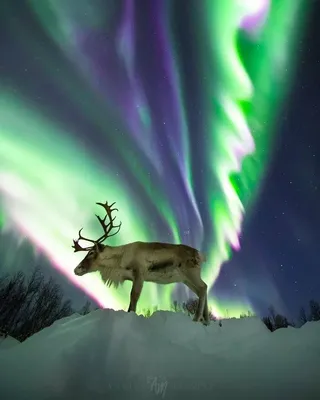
(92, 260)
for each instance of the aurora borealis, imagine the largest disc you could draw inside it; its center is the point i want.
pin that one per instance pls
(170, 111)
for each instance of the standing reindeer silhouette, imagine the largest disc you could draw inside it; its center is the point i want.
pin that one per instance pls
(140, 262)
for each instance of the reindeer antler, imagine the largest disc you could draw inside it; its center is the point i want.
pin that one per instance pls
(106, 228)
(76, 246)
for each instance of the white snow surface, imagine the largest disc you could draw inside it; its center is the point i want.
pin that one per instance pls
(6, 342)
(117, 355)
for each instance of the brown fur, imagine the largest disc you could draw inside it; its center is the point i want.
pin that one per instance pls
(139, 262)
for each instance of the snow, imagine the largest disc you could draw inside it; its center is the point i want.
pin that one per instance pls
(117, 355)
(6, 342)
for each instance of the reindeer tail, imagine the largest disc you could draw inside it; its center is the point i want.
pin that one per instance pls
(203, 257)
(197, 258)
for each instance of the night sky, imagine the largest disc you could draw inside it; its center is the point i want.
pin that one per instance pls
(157, 107)
(280, 237)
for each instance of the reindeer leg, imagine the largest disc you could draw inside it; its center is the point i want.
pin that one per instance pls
(202, 293)
(206, 312)
(136, 290)
(205, 316)
(198, 286)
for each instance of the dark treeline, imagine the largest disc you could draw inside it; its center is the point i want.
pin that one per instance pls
(275, 320)
(28, 305)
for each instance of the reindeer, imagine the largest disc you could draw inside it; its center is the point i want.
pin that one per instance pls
(140, 262)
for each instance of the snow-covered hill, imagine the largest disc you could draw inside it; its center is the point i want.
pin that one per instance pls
(6, 342)
(117, 355)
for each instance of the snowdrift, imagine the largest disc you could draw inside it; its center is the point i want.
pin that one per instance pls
(117, 355)
(6, 342)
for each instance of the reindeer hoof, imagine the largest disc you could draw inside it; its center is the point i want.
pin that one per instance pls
(202, 320)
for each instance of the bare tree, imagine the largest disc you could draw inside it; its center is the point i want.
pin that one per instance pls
(29, 305)
(86, 308)
(303, 316)
(275, 320)
(268, 323)
(190, 307)
(314, 310)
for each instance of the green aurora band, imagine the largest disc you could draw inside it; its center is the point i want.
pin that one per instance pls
(50, 180)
